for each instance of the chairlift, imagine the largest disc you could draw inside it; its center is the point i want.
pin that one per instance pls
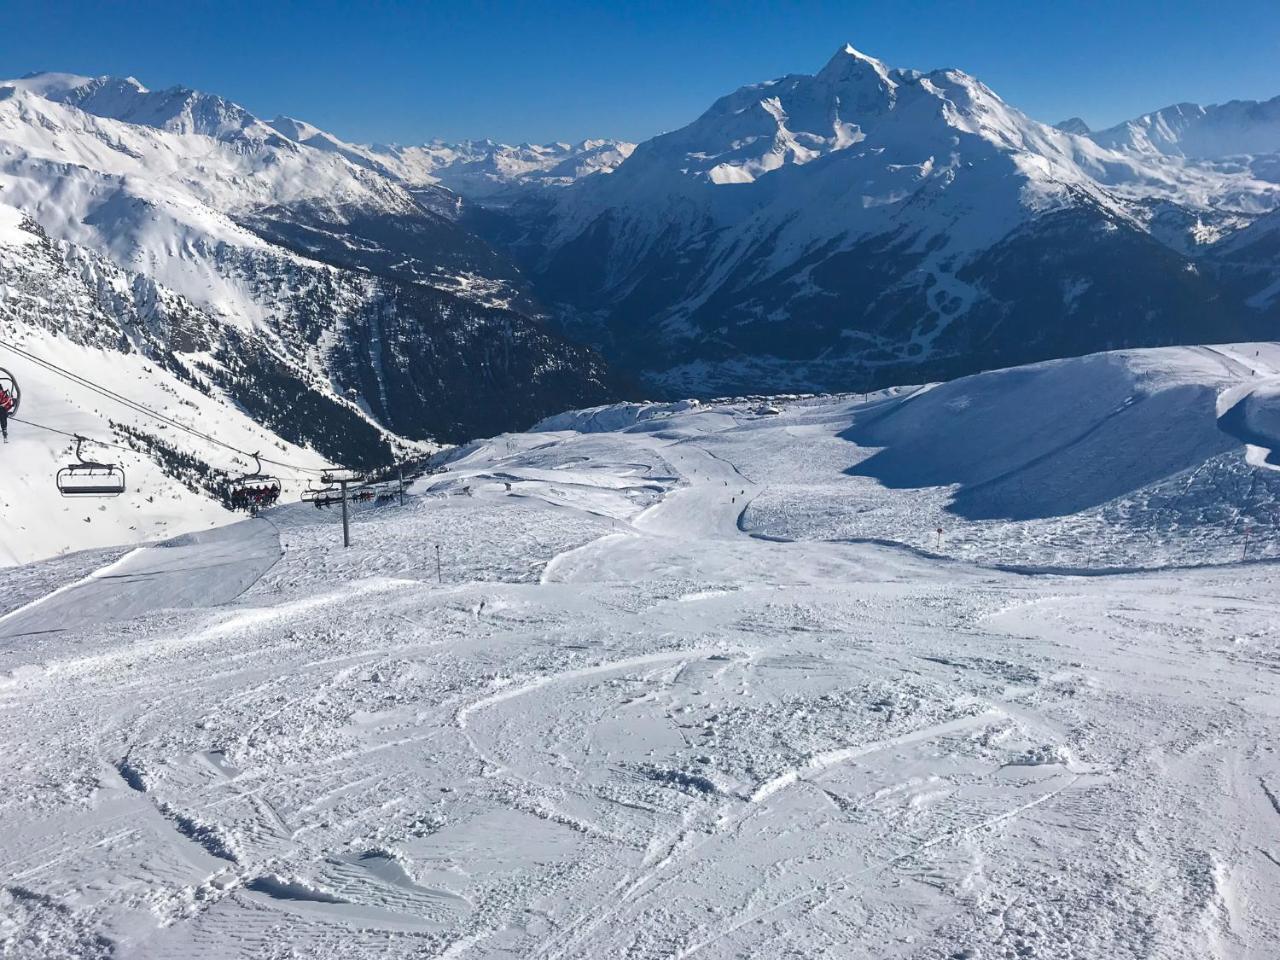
(253, 490)
(9, 385)
(310, 494)
(324, 496)
(89, 479)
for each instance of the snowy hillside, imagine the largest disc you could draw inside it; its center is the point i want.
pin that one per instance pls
(345, 278)
(688, 680)
(67, 307)
(868, 225)
(1117, 460)
(160, 500)
(854, 229)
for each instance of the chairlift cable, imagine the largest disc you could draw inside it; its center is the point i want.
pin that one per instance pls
(73, 436)
(146, 411)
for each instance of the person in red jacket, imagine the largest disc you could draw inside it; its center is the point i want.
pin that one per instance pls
(6, 408)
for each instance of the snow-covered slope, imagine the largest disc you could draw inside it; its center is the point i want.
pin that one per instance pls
(63, 305)
(315, 390)
(341, 271)
(1132, 458)
(197, 177)
(1120, 445)
(852, 226)
(163, 497)
(1225, 161)
(643, 693)
(1074, 125)
(470, 168)
(177, 110)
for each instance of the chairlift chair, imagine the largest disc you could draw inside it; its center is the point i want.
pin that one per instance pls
(89, 479)
(321, 496)
(252, 490)
(10, 386)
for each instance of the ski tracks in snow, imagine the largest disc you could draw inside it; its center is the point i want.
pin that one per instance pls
(682, 742)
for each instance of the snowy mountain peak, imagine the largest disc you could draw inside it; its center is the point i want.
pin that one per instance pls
(178, 109)
(297, 130)
(854, 99)
(849, 64)
(887, 217)
(486, 169)
(60, 86)
(1073, 125)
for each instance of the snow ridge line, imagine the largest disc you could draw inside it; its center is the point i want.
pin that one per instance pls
(93, 575)
(555, 562)
(1270, 794)
(246, 619)
(546, 680)
(829, 758)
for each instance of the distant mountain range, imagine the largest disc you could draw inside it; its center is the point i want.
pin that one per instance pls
(476, 169)
(844, 230)
(330, 274)
(865, 226)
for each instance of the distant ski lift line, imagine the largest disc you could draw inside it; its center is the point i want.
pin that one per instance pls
(147, 411)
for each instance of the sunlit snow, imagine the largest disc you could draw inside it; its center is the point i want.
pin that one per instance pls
(691, 680)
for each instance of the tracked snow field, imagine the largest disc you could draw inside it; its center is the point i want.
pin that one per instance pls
(617, 721)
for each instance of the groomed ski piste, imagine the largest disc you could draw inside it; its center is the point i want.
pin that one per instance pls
(689, 680)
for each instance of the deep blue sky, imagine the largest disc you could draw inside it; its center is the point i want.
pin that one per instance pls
(540, 71)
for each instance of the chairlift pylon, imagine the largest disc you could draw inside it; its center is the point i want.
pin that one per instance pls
(90, 479)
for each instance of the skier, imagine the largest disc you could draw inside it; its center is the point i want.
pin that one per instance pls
(6, 408)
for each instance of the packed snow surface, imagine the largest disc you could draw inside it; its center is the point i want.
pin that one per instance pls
(637, 685)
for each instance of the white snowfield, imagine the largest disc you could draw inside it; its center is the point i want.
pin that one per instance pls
(632, 686)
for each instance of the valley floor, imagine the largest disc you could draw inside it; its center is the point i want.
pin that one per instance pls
(637, 710)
